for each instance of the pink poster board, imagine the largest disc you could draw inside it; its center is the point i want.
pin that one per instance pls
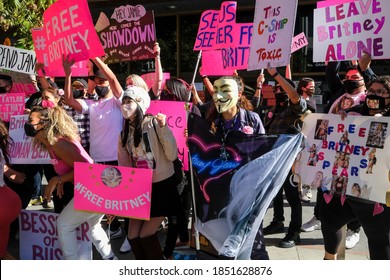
(150, 77)
(322, 4)
(116, 190)
(68, 30)
(299, 42)
(11, 104)
(176, 120)
(212, 64)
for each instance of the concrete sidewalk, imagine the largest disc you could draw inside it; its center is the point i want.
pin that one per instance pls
(310, 248)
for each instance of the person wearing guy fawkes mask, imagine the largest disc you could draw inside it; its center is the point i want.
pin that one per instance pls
(289, 107)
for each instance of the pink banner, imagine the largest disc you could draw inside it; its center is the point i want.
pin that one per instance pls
(116, 190)
(177, 122)
(322, 4)
(28, 89)
(11, 104)
(150, 77)
(68, 30)
(212, 64)
(299, 42)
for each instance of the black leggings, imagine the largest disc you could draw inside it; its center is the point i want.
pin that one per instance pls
(377, 228)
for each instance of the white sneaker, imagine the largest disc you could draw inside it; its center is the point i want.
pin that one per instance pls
(114, 234)
(306, 193)
(351, 239)
(311, 225)
(125, 248)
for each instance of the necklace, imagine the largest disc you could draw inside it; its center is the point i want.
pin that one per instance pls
(223, 153)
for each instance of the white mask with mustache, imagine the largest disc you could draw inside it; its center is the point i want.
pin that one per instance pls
(225, 94)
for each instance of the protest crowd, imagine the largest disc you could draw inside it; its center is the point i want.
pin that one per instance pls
(109, 144)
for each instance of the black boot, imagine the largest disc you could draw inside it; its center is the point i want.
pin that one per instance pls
(137, 248)
(151, 247)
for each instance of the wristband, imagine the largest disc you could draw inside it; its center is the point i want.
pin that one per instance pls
(275, 75)
(204, 77)
(259, 88)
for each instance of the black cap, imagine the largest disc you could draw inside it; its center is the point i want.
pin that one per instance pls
(80, 82)
(98, 74)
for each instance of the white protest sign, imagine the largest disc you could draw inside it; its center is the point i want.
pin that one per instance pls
(18, 60)
(22, 150)
(354, 151)
(346, 30)
(273, 29)
(38, 236)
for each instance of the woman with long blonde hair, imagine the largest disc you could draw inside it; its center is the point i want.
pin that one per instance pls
(55, 131)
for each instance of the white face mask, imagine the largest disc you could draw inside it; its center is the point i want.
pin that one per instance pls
(129, 110)
(225, 94)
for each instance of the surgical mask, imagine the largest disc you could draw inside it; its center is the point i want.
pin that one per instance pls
(351, 85)
(102, 91)
(281, 97)
(127, 111)
(48, 104)
(30, 130)
(2, 90)
(78, 93)
(375, 102)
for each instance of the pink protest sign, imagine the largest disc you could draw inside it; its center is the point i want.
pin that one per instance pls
(212, 64)
(176, 120)
(11, 104)
(68, 30)
(299, 42)
(79, 69)
(150, 77)
(117, 190)
(28, 89)
(322, 4)
(219, 30)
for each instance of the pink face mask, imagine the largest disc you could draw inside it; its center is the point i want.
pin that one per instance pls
(48, 104)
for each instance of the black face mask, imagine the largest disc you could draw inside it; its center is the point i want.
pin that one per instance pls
(102, 91)
(2, 90)
(78, 93)
(375, 102)
(351, 85)
(30, 130)
(281, 97)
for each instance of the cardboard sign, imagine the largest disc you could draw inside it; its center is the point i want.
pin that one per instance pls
(11, 104)
(117, 190)
(299, 42)
(128, 35)
(354, 152)
(39, 237)
(68, 30)
(273, 24)
(22, 151)
(213, 65)
(347, 30)
(18, 60)
(177, 121)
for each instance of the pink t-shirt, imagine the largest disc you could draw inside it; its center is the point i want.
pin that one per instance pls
(60, 166)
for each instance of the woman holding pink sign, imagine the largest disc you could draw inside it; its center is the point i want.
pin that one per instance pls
(55, 131)
(147, 142)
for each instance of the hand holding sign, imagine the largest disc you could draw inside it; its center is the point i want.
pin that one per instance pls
(161, 119)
